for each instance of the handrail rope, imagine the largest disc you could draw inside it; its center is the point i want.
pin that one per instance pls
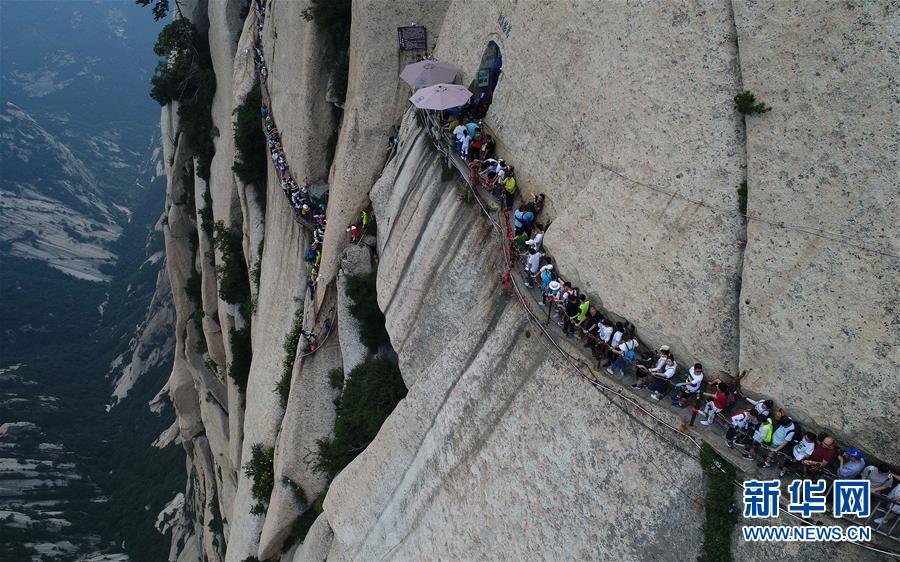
(605, 389)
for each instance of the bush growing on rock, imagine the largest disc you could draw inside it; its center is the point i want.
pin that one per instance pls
(234, 281)
(261, 470)
(372, 391)
(745, 103)
(361, 290)
(251, 165)
(185, 74)
(241, 356)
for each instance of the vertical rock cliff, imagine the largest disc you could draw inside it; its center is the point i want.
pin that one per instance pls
(623, 117)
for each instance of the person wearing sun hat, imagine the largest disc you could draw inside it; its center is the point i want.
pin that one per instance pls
(552, 291)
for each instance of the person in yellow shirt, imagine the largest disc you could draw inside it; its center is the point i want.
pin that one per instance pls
(509, 186)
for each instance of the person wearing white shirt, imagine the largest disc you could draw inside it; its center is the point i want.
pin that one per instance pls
(464, 145)
(801, 450)
(643, 371)
(661, 382)
(692, 384)
(459, 132)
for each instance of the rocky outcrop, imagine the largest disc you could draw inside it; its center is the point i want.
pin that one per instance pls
(819, 310)
(374, 103)
(623, 116)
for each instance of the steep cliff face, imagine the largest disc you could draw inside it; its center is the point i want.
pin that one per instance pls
(623, 117)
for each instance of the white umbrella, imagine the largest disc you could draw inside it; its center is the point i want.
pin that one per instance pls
(428, 72)
(441, 96)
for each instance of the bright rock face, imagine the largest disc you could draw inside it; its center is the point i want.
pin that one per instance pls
(623, 116)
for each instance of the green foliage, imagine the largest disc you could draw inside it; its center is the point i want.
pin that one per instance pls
(745, 102)
(206, 214)
(241, 357)
(336, 376)
(742, 197)
(340, 76)
(448, 173)
(719, 505)
(331, 148)
(185, 74)
(256, 270)
(231, 271)
(299, 494)
(261, 470)
(373, 390)
(283, 388)
(361, 289)
(187, 196)
(160, 7)
(333, 17)
(251, 164)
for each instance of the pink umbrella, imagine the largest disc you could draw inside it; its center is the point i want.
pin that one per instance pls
(428, 72)
(441, 96)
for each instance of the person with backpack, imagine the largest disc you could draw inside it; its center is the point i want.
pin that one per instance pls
(642, 371)
(762, 436)
(625, 353)
(714, 406)
(783, 436)
(739, 423)
(523, 219)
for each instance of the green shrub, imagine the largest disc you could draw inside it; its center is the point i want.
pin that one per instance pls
(283, 388)
(256, 270)
(160, 7)
(231, 272)
(185, 74)
(251, 164)
(372, 391)
(187, 196)
(333, 18)
(331, 148)
(336, 376)
(299, 494)
(448, 173)
(742, 197)
(261, 470)
(720, 515)
(241, 357)
(206, 214)
(361, 289)
(745, 103)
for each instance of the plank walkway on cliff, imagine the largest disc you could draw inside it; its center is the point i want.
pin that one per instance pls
(678, 421)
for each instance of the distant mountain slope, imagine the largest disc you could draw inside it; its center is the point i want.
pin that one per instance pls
(50, 205)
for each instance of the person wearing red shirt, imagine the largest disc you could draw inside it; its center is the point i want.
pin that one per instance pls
(821, 457)
(714, 406)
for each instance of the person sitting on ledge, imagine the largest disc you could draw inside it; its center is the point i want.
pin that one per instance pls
(821, 457)
(762, 407)
(880, 476)
(690, 387)
(660, 384)
(801, 451)
(781, 438)
(850, 463)
(762, 436)
(739, 423)
(714, 406)
(643, 369)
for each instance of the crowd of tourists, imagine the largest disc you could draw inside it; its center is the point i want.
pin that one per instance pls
(766, 433)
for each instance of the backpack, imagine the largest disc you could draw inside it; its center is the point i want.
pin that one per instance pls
(798, 434)
(630, 354)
